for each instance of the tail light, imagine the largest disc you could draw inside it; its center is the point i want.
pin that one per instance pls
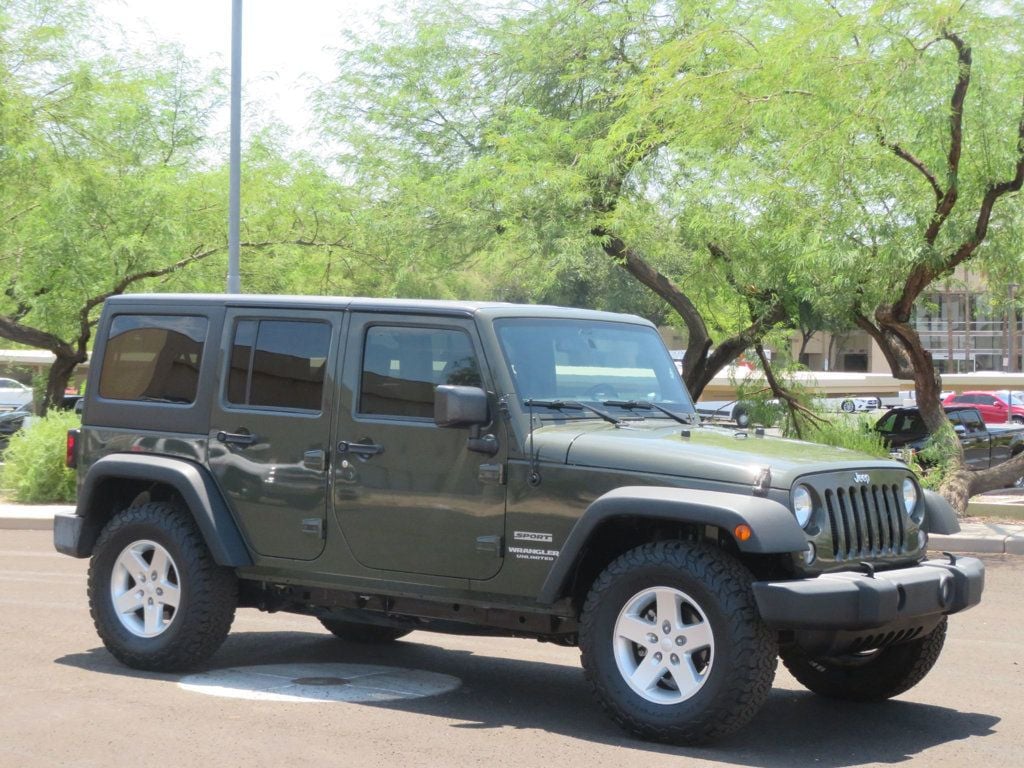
(70, 456)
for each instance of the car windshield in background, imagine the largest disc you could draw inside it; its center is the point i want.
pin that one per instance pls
(590, 361)
(1006, 395)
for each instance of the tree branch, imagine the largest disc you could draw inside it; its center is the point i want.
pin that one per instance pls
(903, 154)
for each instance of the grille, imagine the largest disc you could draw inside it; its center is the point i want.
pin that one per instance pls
(866, 521)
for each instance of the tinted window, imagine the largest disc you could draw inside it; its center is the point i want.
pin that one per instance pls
(153, 357)
(401, 367)
(278, 363)
(972, 421)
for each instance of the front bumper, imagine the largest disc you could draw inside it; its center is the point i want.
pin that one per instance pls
(851, 602)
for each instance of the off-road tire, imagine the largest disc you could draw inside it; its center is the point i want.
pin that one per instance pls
(208, 592)
(745, 653)
(881, 675)
(356, 632)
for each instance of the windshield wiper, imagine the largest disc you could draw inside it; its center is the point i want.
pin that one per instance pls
(645, 405)
(572, 405)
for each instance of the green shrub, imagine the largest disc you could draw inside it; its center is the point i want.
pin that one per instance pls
(937, 459)
(34, 471)
(856, 433)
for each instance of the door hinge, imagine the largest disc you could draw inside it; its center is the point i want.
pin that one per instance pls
(492, 474)
(313, 526)
(491, 544)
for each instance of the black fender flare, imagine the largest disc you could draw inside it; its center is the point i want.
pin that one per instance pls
(192, 482)
(774, 529)
(939, 515)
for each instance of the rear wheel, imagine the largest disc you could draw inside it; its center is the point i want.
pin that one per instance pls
(848, 406)
(157, 598)
(871, 676)
(672, 643)
(356, 632)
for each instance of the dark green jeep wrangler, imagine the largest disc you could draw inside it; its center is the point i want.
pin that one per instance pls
(390, 466)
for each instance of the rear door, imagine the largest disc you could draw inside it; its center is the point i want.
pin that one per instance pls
(269, 440)
(411, 496)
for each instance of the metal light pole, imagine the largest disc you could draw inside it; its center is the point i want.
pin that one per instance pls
(235, 183)
(1011, 363)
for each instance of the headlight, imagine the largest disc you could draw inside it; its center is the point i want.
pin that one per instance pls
(802, 505)
(909, 495)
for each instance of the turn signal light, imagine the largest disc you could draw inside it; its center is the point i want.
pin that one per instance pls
(742, 532)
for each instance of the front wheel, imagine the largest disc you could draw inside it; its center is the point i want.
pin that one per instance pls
(157, 598)
(672, 643)
(870, 676)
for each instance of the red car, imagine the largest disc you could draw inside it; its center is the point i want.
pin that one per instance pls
(994, 408)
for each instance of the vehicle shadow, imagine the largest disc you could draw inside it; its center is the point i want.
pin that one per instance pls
(794, 727)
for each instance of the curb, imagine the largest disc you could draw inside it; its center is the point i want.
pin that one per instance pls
(24, 517)
(978, 544)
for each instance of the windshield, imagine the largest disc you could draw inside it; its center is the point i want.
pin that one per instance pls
(1017, 397)
(590, 361)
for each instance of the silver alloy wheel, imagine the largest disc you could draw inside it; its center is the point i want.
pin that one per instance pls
(663, 645)
(145, 588)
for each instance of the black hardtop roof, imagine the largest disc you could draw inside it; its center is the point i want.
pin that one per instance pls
(162, 301)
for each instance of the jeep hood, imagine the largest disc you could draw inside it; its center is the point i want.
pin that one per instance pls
(708, 453)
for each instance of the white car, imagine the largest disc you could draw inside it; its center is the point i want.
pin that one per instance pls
(13, 395)
(852, 403)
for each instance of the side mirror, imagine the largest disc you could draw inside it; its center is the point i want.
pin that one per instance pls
(456, 406)
(960, 429)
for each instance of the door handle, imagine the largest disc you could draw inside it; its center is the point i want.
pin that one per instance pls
(360, 449)
(237, 438)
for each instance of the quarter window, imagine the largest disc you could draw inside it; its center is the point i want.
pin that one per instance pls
(278, 363)
(401, 367)
(153, 357)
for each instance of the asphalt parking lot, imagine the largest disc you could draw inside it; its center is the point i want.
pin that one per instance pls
(65, 702)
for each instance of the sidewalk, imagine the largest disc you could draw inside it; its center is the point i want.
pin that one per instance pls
(976, 536)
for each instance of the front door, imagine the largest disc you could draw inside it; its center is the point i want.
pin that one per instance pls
(269, 439)
(411, 496)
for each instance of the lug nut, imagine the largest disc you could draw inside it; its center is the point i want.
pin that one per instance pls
(680, 640)
(159, 591)
(666, 627)
(154, 576)
(657, 656)
(652, 638)
(674, 658)
(150, 601)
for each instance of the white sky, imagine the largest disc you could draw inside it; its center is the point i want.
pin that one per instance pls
(286, 45)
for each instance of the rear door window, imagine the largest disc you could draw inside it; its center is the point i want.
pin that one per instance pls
(153, 358)
(278, 364)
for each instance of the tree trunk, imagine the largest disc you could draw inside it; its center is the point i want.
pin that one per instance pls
(57, 380)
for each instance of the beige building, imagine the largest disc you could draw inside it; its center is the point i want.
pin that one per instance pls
(961, 323)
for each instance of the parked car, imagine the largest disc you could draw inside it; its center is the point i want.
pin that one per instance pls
(984, 447)
(851, 403)
(13, 395)
(496, 470)
(994, 408)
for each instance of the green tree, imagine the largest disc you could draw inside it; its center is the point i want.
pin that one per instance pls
(515, 143)
(906, 122)
(106, 184)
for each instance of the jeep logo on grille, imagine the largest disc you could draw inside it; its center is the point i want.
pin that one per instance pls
(861, 478)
